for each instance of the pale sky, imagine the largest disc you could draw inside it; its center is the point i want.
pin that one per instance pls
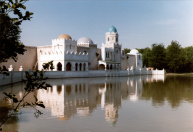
(140, 23)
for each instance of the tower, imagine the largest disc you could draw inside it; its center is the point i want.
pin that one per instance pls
(112, 36)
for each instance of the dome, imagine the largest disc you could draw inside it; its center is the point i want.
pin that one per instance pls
(112, 29)
(84, 40)
(134, 51)
(64, 36)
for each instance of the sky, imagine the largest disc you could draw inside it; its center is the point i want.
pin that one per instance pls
(140, 23)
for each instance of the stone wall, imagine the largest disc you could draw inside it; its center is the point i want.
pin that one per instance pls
(28, 60)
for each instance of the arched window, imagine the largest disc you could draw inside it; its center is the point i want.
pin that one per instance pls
(106, 55)
(68, 66)
(70, 46)
(80, 67)
(76, 67)
(108, 39)
(84, 67)
(116, 39)
(59, 66)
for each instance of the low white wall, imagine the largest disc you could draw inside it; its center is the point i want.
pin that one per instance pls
(18, 76)
(14, 76)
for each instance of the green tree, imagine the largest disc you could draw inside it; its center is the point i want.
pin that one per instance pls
(157, 57)
(174, 57)
(126, 50)
(10, 44)
(34, 81)
(146, 56)
(48, 65)
(188, 55)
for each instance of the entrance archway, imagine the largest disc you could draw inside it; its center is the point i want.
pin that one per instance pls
(101, 67)
(59, 66)
(68, 66)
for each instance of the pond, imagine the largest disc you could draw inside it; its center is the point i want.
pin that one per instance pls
(112, 104)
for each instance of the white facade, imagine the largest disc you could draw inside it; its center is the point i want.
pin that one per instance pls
(135, 59)
(83, 55)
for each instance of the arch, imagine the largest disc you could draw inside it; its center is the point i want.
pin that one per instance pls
(107, 66)
(108, 39)
(111, 67)
(68, 66)
(80, 67)
(76, 66)
(101, 67)
(84, 67)
(59, 66)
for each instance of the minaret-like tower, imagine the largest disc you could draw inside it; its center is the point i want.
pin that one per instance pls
(112, 36)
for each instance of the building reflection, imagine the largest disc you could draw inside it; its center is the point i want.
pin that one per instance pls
(80, 97)
(12, 124)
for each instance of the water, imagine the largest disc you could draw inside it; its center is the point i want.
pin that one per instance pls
(116, 104)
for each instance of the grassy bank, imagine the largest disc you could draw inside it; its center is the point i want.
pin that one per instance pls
(179, 74)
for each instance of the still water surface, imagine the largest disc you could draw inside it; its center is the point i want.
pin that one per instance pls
(120, 104)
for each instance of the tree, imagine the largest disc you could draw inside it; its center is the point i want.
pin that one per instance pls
(10, 44)
(34, 81)
(48, 65)
(188, 55)
(157, 58)
(146, 56)
(174, 57)
(126, 50)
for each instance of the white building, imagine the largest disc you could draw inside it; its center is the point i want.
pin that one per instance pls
(68, 54)
(83, 55)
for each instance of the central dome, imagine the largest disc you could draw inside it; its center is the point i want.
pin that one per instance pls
(112, 29)
(84, 40)
(64, 36)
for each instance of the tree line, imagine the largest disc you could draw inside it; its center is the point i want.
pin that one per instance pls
(174, 58)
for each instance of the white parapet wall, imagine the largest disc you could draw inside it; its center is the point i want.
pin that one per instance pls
(18, 76)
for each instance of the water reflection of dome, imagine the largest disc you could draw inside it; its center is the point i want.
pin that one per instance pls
(83, 111)
(133, 97)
